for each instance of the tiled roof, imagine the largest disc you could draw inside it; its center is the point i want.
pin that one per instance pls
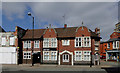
(61, 33)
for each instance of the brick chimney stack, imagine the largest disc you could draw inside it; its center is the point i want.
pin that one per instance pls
(65, 25)
(97, 31)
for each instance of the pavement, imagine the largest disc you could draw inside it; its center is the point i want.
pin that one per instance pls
(104, 67)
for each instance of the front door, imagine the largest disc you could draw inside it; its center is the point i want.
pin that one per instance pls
(65, 59)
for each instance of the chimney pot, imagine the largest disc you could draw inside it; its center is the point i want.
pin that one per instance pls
(65, 25)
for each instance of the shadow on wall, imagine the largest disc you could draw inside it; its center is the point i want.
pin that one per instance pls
(112, 69)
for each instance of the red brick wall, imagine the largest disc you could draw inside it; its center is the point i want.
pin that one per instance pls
(49, 33)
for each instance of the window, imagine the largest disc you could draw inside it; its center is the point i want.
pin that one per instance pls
(115, 44)
(3, 40)
(78, 55)
(12, 40)
(49, 55)
(86, 55)
(108, 45)
(27, 44)
(53, 42)
(87, 42)
(96, 48)
(49, 42)
(36, 44)
(46, 55)
(65, 42)
(27, 55)
(53, 55)
(65, 58)
(46, 42)
(78, 42)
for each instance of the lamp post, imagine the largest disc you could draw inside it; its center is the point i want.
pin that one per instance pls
(29, 14)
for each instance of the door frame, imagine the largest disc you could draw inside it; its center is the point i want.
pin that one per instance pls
(68, 53)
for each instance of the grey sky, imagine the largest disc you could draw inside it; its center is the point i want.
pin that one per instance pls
(94, 14)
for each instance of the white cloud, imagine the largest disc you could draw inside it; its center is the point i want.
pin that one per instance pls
(13, 9)
(93, 14)
(60, 0)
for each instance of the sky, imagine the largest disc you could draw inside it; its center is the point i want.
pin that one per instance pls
(103, 15)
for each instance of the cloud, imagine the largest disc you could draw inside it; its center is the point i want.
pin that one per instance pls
(60, 0)
(93, 14)
(102, 15)
(13, 9)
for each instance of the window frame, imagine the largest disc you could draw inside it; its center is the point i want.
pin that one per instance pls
(13, 41)
(108, 45)
(64, 56)
(27, 44)
(4, 40)
(78, 42)
(28, 55)
(88, 39)
(79, 54)
(87, 54)
(65, 42)
(36, 44)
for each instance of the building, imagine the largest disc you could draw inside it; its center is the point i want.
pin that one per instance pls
(117, 29)
(111, 49)
(9, 46)
(63, 46)
(8, 53)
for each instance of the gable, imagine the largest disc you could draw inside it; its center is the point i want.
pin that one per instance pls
(82, 31)
(50, 33)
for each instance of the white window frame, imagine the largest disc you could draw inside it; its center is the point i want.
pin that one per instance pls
(50, 43)
(96, 48)
(46, 54)
(3, 41)
(65, 60)
(78, 41)
(45, 42)
(79, 54)
(115, 44)
(86, 54)
(54, 55)
(49, 55)
(87, 44)
(12, 38)
(108, 45)
(28, 55)
(53, 42)
(36, 44)
(65, 42)
(27, 44)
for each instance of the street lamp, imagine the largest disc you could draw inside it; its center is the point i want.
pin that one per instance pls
(29, 14)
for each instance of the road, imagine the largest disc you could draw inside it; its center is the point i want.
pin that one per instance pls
(105, 67)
